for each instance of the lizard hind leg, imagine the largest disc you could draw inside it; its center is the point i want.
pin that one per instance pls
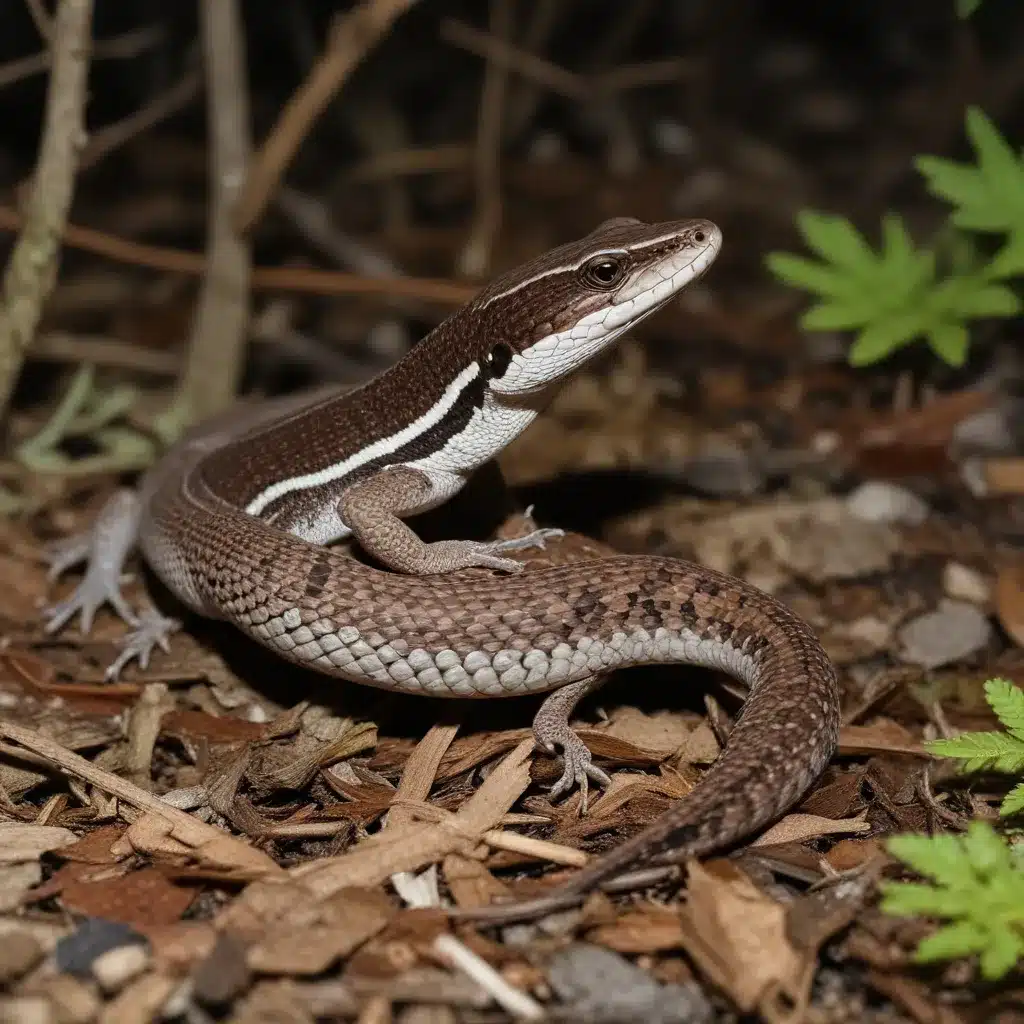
(551, 730)
(105, 548)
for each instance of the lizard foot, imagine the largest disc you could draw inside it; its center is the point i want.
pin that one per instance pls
(61, 555)
(534, 539)
(97, 588)
(152, 630)
(579, 769)
(105, 546)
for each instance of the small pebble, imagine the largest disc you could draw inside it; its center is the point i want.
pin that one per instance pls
(74, 1001)
(222, 975)
(602, 987)
(953, 631)
(19, 953)
(115, 968)
(723, 468)
(877, 501)
(26, 1010)
(964, 584)
(76, 952)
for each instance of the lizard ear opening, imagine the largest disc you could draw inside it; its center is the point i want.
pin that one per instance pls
(616, 222)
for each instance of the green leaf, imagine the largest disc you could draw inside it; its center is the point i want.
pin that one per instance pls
(988, 300)
(985, 850)
(835, 239)
(988, 195)
(1003, 950)
(913, 899)
(884, 336)
(965, 8)
(940, 858)
(1013, 802)
(1007, 701)
(982, 750)
(979, 890)
(837, 316)
(949, 342)
(995, 156)
(1009, 261)
(794, 270)
(952, 941)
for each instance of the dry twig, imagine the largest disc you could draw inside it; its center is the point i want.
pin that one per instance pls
(158, 109)
(217, 344)
(32, 269)
(287, 279)
(476, 254)
(352, 35)
(122, 47)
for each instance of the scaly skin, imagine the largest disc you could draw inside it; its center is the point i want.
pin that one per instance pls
(236, 520)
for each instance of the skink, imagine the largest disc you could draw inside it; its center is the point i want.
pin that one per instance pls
(238, 517)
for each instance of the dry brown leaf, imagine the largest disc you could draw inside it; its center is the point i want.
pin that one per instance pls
(15, 882)
(154, 835)
(210, 845)
(413, 846)
(737, 937)
(848, 854)
(882, 736)
(700, 747)
(36, 676)
(837, 798)
(663, 731)
(96, 846)
(179, 946)
(1004, 475)
(797, 828)
(470, 883)
(313, 935)
(187, 723)
(143, 899)
(1009, 600)
(141, 1001)
(21, 843)
(24, 587)
(648, 929)
(420, 771)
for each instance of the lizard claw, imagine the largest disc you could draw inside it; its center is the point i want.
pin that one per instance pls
(153, 630)
(62, 554)
(534, 539)
(579, 769)
(95, 590)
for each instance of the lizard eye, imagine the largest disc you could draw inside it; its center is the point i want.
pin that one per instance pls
(498, 360)
(604, 271)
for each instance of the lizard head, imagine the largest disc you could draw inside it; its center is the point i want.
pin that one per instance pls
(538, 324)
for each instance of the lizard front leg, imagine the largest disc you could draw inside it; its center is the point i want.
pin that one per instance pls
(372, 510)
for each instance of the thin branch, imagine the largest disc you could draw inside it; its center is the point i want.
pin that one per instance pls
(501, 52)
(41, 19)
(59, 347)
(287, 279)
(216, 349)
(131, 44)
(112, 136)
(476, 254)
(32, 269)
(559, 80)
(351, 36)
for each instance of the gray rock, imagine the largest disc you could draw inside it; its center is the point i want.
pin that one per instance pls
(953, 631)
(601, 987)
